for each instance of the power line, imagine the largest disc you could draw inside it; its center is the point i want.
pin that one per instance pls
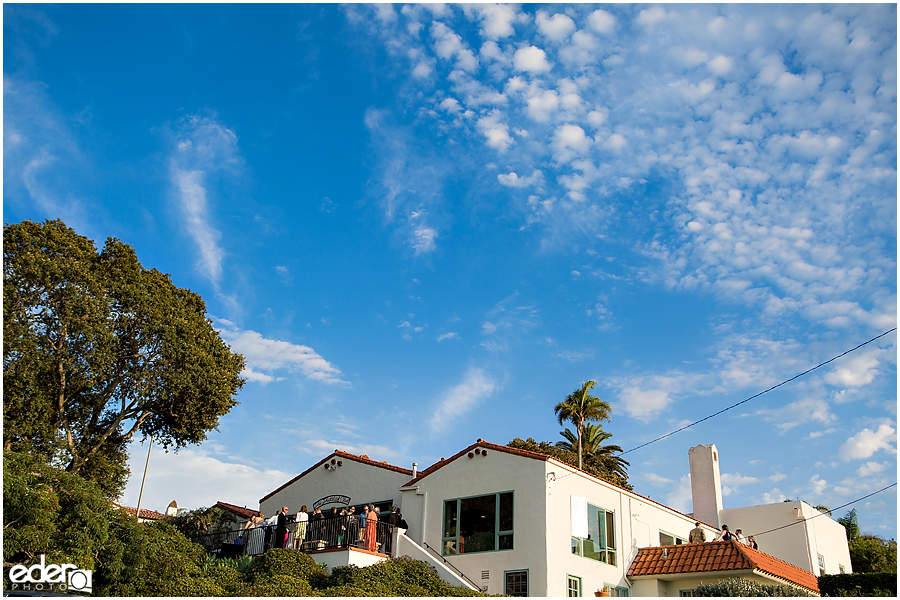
(786, 381)
(832, 510)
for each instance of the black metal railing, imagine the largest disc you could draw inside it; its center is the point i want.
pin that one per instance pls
(328, 533)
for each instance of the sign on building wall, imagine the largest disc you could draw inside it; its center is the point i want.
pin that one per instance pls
(334, 499)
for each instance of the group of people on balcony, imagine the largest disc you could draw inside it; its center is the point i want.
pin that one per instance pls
(697, 535)
(318, 530)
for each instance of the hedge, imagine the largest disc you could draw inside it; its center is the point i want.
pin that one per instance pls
(859, 584)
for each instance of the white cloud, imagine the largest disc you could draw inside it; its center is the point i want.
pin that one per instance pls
(556, 28)
(531, 60)
(870, 468)
(496, 20)
(513, 180)
(867, 442)
(194, 477)
(495, 132)
(202, 147)
(855, 371)
(817, 485)
(643, 405)
(655, 479)
(601, 21)
(680, 497)
(475, 387)
(264, 356)
(448, 336)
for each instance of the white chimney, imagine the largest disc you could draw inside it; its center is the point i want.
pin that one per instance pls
(706, 483)
(415, 470)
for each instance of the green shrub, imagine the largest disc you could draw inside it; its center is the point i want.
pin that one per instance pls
(859, 584)
(281, 585)
(396, 577)
(291, 563)
(744, 588)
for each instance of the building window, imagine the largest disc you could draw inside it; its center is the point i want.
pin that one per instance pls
(573, 586)
(618, 591)
(842, 569)
(686, 593)
(516, 583)
(667, 539)
(600, 544)
(478, 524)
(821, 565)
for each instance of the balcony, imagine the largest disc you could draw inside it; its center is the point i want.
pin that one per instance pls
(330, 534)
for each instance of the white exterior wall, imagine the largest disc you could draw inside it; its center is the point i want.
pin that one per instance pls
(638, 523)
(361, 482)
(497, 472)
(798, 544)
(542, 525)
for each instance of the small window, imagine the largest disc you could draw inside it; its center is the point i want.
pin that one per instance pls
(618, 592)
(573, 586)
(686, 593)
(516, 583)
(666, 539)
(821, 565)
(842, 569)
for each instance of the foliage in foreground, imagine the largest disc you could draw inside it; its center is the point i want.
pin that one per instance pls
(744, 588)
(67, 518)
(859, 584)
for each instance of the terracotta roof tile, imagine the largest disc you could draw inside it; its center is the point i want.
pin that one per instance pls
(145, 512)
(241, 511)
(339, 454)
(716, 556)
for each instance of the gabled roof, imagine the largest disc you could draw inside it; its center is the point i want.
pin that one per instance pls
(536, 456)
(478, 444)
(342, 455)
(707, 557)
(146, 513)
(241, 511)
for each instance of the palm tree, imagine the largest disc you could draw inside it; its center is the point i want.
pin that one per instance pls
(579, 407)
(604, 459)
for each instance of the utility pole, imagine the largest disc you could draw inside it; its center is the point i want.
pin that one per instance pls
(137, 512)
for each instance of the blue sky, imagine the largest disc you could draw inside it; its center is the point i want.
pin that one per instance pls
(427, 224)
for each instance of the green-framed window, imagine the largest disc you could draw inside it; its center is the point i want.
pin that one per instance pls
(478, 524)
(515, 583)
(600, 544)
(573, 586)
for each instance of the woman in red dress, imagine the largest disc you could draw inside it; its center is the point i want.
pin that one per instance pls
(371, 529)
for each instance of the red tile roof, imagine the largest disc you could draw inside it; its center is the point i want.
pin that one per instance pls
(145, 513)
(241, 511)
(716, 556)
(340, 454)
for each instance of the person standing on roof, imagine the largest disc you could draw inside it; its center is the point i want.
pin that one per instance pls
(697, 534)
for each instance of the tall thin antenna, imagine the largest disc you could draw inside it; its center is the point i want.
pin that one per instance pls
(137, 512)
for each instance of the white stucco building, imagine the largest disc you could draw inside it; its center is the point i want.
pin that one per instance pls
(517, 522)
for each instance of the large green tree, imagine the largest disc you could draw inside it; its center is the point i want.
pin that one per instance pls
(868, 553)
(98, 349)
(606, 459)
(580, 408)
